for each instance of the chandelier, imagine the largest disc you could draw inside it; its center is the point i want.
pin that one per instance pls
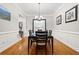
(39, 17)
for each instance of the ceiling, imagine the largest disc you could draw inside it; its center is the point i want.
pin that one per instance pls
(33, 8)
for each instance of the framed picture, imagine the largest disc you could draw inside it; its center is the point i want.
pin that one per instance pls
(20, 25)
(59, 20)
(4, 13)
(71, 14)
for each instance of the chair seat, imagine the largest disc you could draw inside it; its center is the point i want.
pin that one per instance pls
(41, 43)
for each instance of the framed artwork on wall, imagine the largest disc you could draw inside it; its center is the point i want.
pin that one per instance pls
(4, 13)
(59, 20)
(20, 25)
(71, 14)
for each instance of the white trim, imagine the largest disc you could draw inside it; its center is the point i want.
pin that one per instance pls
(1, 33)
(70, 32)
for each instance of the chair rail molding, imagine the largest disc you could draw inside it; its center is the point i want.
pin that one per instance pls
(2, 33)
(69, 32)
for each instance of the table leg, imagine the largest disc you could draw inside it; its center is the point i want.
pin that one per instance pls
(52, 45)
(28, 46)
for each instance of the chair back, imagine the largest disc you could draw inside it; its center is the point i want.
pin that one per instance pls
(49, 32)
(41, 34)
(31, 32)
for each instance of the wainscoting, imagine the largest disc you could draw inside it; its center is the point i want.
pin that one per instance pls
(7, 39)
(62, 49)
(69, 38)
(21, 48)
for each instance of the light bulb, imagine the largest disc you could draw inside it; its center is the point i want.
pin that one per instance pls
(41, 17)
(36, 17)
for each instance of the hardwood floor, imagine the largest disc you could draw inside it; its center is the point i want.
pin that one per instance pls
(61, 49)
(21, 48)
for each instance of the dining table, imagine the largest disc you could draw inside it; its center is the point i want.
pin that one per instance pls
(35, 37)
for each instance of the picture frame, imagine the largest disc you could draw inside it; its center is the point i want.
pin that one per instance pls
(71, 14)
(20, 25)
(5, 14)
(59, 20)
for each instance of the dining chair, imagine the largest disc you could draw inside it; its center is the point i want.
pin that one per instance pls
(49, 35)
(32, 36)
(41, 40)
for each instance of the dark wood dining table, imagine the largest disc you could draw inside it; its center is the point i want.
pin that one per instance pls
(35, 37)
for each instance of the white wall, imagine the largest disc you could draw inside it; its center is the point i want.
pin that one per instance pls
(9, 29)
(49, 22)
(67, 33)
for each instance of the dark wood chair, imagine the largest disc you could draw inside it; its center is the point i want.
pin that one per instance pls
(32, 36)
(31, 39)
(41, 40)
(21, 33)
(49, 35)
